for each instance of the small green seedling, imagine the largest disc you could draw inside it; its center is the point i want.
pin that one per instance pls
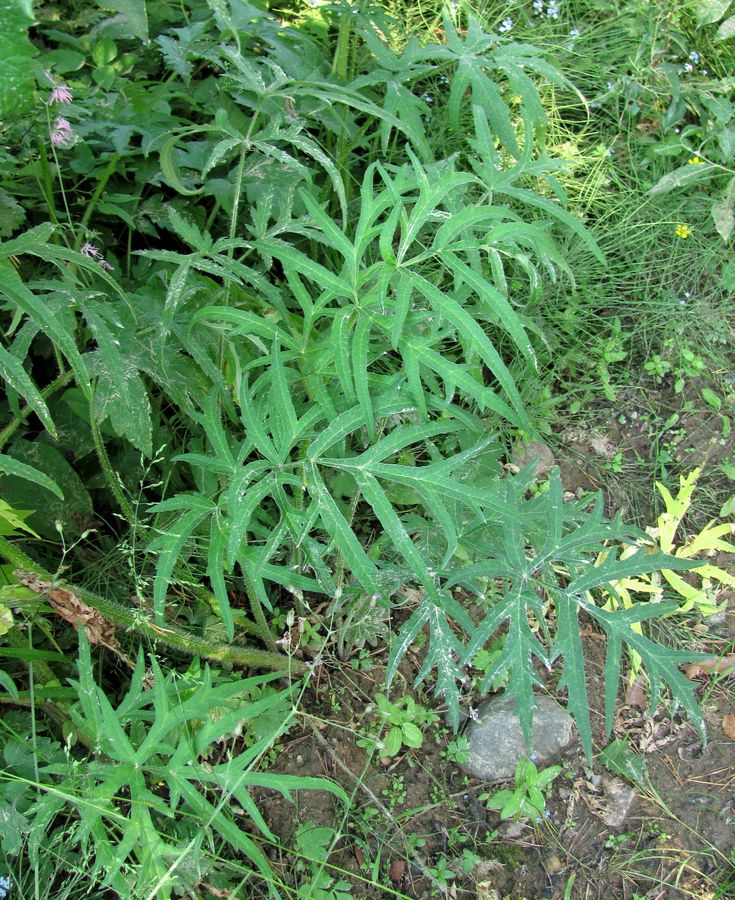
(528, 800)
(457, 750)
(404, 720)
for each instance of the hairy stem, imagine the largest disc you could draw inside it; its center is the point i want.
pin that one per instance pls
(92, 205)
(111, 478)
(171, 635)
(266, 635)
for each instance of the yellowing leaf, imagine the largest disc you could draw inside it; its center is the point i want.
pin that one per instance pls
(676, 509)
(6, 619)
(708, 540)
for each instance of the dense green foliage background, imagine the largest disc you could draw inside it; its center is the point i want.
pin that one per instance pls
(281, 287)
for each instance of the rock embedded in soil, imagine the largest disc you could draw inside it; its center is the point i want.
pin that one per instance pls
(619, 797)
(496, 741)
(536, 453)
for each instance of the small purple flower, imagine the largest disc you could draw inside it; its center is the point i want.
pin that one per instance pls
(90, 251)
(533, 757)
(314, 667)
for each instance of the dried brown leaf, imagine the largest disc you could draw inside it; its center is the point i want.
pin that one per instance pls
(72, 609)
(636, 695)
(717, 665)
(397, 870)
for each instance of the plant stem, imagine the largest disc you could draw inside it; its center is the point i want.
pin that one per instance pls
(340, 69)
(112, 480)
(342, 49)
(233, 222)
(171, 635)
(92, 205)
(45, 182)
(266, 635)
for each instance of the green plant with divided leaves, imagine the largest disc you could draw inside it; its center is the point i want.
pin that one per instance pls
(168, 772)
(402, 720)
(332, 344)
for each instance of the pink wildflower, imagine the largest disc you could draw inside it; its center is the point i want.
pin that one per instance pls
(91, 252)
(61, 133)
(61, 92)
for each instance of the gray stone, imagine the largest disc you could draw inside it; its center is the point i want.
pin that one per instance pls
(497, 743)
(618, 799)
(533, 452)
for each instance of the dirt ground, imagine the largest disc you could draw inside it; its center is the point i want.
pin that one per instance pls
(674, 841)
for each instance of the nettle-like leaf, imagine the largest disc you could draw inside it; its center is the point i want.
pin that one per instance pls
(120, 393)
(476, 56)
(12, 214)
(16, 80)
